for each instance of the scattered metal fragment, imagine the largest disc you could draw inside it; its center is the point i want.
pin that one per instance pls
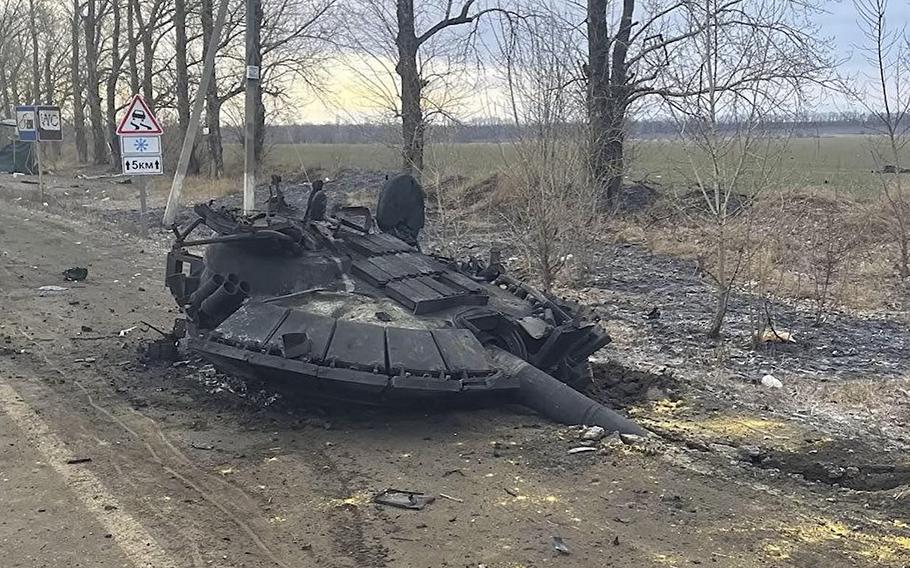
(560, 546)
(594, 433)
(76, 274)
(78, 460)
(450, 498)
(403, 499)
(582, 449)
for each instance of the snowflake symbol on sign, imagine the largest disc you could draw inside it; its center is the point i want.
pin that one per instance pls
(141, 145)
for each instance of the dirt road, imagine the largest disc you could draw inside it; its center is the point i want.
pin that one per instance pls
(107, 462)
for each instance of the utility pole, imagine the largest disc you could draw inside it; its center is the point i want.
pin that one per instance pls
(253, 62)
(208, 71)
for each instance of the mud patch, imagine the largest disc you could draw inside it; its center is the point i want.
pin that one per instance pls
(837, 463)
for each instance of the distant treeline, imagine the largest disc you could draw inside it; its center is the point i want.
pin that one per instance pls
(817, 125)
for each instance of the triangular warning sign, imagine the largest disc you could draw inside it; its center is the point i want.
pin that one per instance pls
(139, 119)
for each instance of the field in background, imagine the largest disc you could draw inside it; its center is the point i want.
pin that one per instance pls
(837, 163)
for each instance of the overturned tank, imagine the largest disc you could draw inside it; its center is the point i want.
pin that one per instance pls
(332, 306)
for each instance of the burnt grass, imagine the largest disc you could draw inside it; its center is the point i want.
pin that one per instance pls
(842, 346)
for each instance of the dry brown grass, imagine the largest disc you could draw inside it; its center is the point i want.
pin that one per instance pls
(196, 188)
(796, 238)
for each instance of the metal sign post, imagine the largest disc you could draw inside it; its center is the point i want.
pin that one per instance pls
(39, 123)
(140, 149)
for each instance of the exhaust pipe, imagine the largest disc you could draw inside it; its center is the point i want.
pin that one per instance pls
(223, 302)
(557, 400)
(205, 290)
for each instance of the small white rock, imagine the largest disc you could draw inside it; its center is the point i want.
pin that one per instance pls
(771, 382)
(594, 433)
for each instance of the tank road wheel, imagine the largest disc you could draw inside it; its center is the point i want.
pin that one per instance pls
(579, 377)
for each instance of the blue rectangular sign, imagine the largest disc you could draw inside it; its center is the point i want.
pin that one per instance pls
(26, 123)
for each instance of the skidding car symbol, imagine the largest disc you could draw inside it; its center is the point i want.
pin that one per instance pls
(138, 119)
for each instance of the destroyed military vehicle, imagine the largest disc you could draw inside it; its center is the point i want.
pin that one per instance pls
(342, 306)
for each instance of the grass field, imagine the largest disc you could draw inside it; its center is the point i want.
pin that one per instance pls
(837, 163)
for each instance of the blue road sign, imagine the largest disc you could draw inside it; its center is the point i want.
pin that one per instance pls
(26, 123)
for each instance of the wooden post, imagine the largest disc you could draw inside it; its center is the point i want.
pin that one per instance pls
(253, 58)
(208, 71)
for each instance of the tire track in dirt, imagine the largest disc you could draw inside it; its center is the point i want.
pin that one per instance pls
(133, 539)
(232, 502)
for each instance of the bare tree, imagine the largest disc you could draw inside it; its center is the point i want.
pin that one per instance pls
(92, 31)
(547, 202)
(182, 73)
(116, 61)
(632, 50)
(418, 47)
(33, 32)
(884, 93)
(745, 70)
(76, 81)
(293, 48)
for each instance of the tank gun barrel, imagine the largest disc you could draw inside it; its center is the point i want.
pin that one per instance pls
(557, 400)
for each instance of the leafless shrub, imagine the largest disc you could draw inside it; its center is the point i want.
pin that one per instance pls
(830, 243)
(745, 72)
(547, 203)
(883, 92)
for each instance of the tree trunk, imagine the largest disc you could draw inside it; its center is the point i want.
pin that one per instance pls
(614, 148)
(259, 139)
(4, 85)
(607, 96)
(148, 61)
(720, 312)
(132, 8)
(598, 95)
(721, 280)
(48, 77)
(412, 124)
(183, 82)
(13, 83)
(111, 90)
(36, 72)
(76, 78)
(212, 100)
(99, 143)
(54, 150)
(260, 128)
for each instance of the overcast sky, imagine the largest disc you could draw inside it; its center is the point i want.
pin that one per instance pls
(840, 23)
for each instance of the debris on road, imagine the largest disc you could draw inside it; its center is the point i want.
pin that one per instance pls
(52, 288)
(403, 499)
(560, 546)
(76, 274)
(75, 461)
(594, 433)
(771, 381)
(582, 449)
(450, 498)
